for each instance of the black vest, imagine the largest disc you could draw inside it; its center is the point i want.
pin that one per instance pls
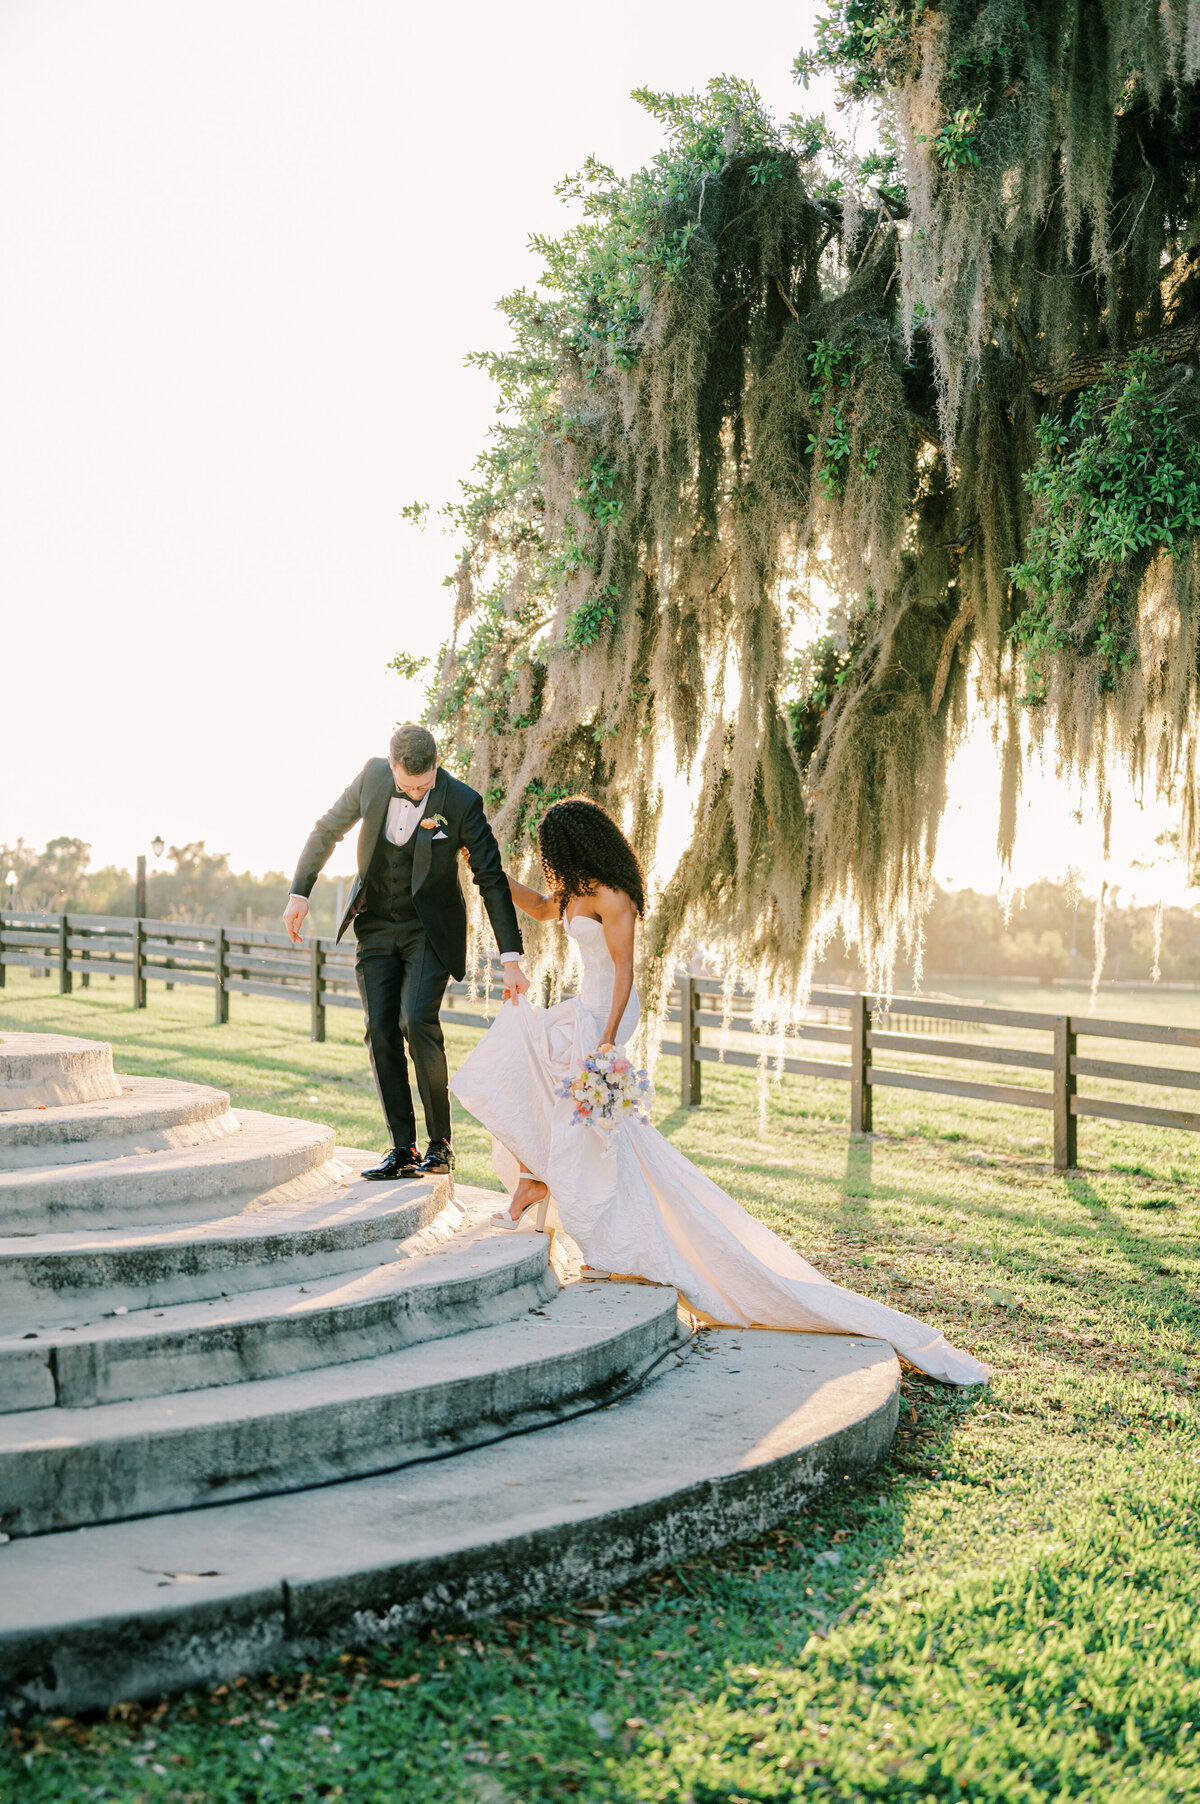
(389, 880)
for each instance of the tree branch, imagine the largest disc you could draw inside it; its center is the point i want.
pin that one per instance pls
(1175, 345)
(958, 627)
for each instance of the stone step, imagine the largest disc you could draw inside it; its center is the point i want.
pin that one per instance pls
(64, 1468)
(56, 1280)
(150, 1115)
(180, 1184)
(710, 1451)
(51, 1069)
(473, 1281)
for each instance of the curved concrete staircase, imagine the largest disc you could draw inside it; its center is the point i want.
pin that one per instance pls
(252, 1407)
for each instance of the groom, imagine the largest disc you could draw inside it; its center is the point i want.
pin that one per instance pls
(410, 922)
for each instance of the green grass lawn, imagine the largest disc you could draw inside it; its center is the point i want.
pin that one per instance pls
(1005, 1612)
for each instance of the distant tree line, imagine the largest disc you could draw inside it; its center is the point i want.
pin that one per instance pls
(198, 886)
(1049, 932)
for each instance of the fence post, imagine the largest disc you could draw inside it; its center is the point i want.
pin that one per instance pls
(1066, 1124)
(860, 1065)
(64, 957)
(689, 1036)
(220, 976)
(2, 964)
(139, 982)
(318, 984)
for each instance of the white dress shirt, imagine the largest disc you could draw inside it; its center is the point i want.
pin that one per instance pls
(402, 818)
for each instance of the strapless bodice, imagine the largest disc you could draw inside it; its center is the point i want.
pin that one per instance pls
(596, 985)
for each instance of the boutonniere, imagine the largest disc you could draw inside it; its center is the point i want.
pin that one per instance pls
(435, 820)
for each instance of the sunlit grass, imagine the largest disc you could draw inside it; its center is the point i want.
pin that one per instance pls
(1005, 1612)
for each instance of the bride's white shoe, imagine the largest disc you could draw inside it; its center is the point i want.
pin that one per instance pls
(540, 1204)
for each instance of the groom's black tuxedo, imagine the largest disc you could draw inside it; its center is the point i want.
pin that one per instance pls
(436, 895)
(410, 922)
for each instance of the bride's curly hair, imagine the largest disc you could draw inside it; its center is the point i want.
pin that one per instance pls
(581, 845)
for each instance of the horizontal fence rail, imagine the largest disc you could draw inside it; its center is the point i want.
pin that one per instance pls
(320, 975)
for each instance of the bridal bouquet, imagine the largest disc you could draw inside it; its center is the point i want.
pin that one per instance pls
(606, 1091)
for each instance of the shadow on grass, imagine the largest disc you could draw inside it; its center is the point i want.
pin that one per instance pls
(677, 1118)
(857, 1187)
(738, 1165)
(1123, 1293)
(1146, 1256)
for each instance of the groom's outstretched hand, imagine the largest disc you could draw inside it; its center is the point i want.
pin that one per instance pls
(515, 981)
(293, 915)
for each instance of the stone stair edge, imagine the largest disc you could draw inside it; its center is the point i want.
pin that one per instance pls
(242, 1224)
(143, 1100)
(627, 1305)
(182, 1347)
(171, 1185)
(48, 1279)
(159, 1134)
(53, 1069)
(130, 1629)
(254, 1305)
(256, 1127)
(70, 1468)
(21, 1042)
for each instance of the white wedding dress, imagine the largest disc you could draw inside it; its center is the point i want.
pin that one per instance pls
(643, 1209)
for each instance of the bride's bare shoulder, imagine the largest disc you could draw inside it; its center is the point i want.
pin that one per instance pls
(611, 904)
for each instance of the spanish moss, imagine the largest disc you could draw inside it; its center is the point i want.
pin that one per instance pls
(799, 456)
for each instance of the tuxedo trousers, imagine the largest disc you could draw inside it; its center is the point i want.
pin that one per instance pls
(401, 981)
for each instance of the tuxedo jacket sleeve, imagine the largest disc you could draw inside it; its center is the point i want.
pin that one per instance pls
(487, 868)
(332, 826)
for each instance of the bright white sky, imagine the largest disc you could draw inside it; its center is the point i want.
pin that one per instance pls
(244, 247)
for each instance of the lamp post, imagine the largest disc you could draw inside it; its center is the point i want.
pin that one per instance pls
(10, 884)
(156, 846)
(139, 893)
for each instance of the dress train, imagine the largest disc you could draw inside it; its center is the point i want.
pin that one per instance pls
(635, 1204)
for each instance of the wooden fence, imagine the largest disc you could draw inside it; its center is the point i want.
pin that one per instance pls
(243, 961)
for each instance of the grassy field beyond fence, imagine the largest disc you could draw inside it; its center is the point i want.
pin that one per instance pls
(1005, 1612)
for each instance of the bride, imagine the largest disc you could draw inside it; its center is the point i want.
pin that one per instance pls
(631, 1200)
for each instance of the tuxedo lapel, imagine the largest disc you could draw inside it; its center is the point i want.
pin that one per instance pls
(373, 819)
(423, 849)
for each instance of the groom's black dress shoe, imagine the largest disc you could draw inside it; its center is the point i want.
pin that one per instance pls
(438, 1161)
(401, 1162)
